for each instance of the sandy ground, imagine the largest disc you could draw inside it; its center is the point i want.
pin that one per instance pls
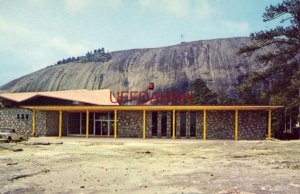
(150, 166)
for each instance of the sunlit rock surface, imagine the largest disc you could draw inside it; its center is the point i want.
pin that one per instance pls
(214, 61)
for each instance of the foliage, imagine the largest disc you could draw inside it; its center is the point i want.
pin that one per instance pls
(99, 55)
(279, 54)
(223, 98)
(202, 94)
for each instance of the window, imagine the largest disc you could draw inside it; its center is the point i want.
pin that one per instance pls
(23, 116)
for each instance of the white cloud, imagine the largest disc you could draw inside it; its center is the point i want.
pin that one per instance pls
(202, 8)
(37, 2)
(73, 6)
(179, 7)
(36, 45)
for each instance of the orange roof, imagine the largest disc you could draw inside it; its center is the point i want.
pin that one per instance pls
(95, 97)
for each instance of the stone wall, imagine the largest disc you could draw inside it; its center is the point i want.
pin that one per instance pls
(252, 125)
(177, 124)
(199, 124)
(9, 118)
(130, 123)
(41, 124)
(148, 124)
(52, 122)
(220, 124)
(169, 124)
(158, 124)
(188, 129)
(46, 121)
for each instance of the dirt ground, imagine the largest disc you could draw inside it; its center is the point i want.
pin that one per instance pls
(150, 166)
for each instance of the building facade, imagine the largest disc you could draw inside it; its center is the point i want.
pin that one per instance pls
(69, 114)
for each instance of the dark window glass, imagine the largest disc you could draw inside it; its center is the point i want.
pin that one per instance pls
(154, 123)
(22, 116)
(163, 124)
(27, 116)
(111, 115)
(18, 116)
(193, 124)
(183, 124)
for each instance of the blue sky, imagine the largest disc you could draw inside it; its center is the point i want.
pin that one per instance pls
(37, 33)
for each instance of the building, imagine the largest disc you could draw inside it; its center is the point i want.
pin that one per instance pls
(92, 113)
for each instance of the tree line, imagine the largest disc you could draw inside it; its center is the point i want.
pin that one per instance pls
(279, 82)
(98, 55)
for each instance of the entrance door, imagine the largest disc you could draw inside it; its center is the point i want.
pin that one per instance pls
(104, 126)
(182, 124)
(193, 124)
(163, 124)
(98, 125)
(154, 123)
(101, 128)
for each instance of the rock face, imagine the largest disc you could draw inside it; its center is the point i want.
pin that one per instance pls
(214, 61)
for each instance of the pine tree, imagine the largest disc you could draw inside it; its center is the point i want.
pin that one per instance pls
(282, 62)
(202, 94)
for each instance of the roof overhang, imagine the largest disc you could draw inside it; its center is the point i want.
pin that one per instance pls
(94, 97)
(154, 108)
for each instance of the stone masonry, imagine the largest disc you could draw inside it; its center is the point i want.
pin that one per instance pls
(220, 124)
(130, 123)
(22, 125)
(252, 125)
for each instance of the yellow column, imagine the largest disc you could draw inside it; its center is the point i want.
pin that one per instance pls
(173, 128)
(144, 124)
(60, 124)
(115, 124)
(33, 122)
(236, 125)
(269, 124)
(87, 124)
(204, 124)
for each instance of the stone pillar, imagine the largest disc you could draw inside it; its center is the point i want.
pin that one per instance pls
(41, 128)
(199, 124)
(177, 124)
(159, 124)
(169, 124)
(148, 124)
(188, 123)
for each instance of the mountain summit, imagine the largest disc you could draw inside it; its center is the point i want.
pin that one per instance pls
(172, 67)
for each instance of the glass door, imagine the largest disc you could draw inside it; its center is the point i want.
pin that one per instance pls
(98, 126)
(104, 126)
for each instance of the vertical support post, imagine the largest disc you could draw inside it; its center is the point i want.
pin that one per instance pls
(60, 124)
(144, 124)
(236, 125)
(204, 124)
(33, 122)
(269, 124)
(115, 124)
(173, 127)
(87, 124)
